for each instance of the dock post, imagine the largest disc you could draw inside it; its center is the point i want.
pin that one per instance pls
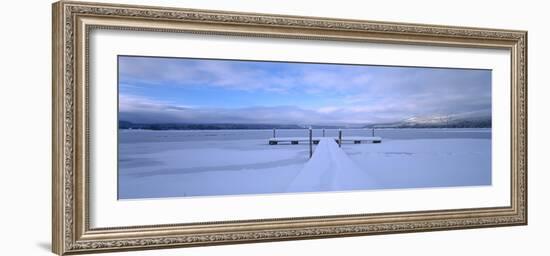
(274, 135)
(310, 142)
(323, 132)
(373, 132)
(339, 138)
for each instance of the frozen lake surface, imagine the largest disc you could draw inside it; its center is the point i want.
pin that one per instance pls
(157, 164)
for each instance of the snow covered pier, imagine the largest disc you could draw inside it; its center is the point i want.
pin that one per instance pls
(331, 169)
(315, 140)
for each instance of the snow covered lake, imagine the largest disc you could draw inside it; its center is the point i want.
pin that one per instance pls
(157, 164)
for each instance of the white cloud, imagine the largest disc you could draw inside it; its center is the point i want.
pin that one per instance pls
(242, 75)
(143, 110)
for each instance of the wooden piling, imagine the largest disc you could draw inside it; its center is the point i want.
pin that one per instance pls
(274, 134)
(339, 138)
(310, 142)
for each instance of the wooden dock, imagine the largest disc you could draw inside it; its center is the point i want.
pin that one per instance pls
(359, 140)
(315, 140)
(330, 169)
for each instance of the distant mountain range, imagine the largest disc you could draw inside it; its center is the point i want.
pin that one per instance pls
(440, 121)
(183, 126)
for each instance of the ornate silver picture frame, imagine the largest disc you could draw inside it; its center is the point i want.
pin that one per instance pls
(73, 203)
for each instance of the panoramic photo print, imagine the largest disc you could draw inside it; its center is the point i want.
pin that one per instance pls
(192, 127)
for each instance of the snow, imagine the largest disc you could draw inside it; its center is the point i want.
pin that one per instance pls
(425, 162)
(206, 168)
(157, 164)
(330, 169)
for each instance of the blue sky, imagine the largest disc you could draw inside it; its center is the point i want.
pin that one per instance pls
(182, 90)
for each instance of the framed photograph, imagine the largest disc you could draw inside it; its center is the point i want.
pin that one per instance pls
(179, 127)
